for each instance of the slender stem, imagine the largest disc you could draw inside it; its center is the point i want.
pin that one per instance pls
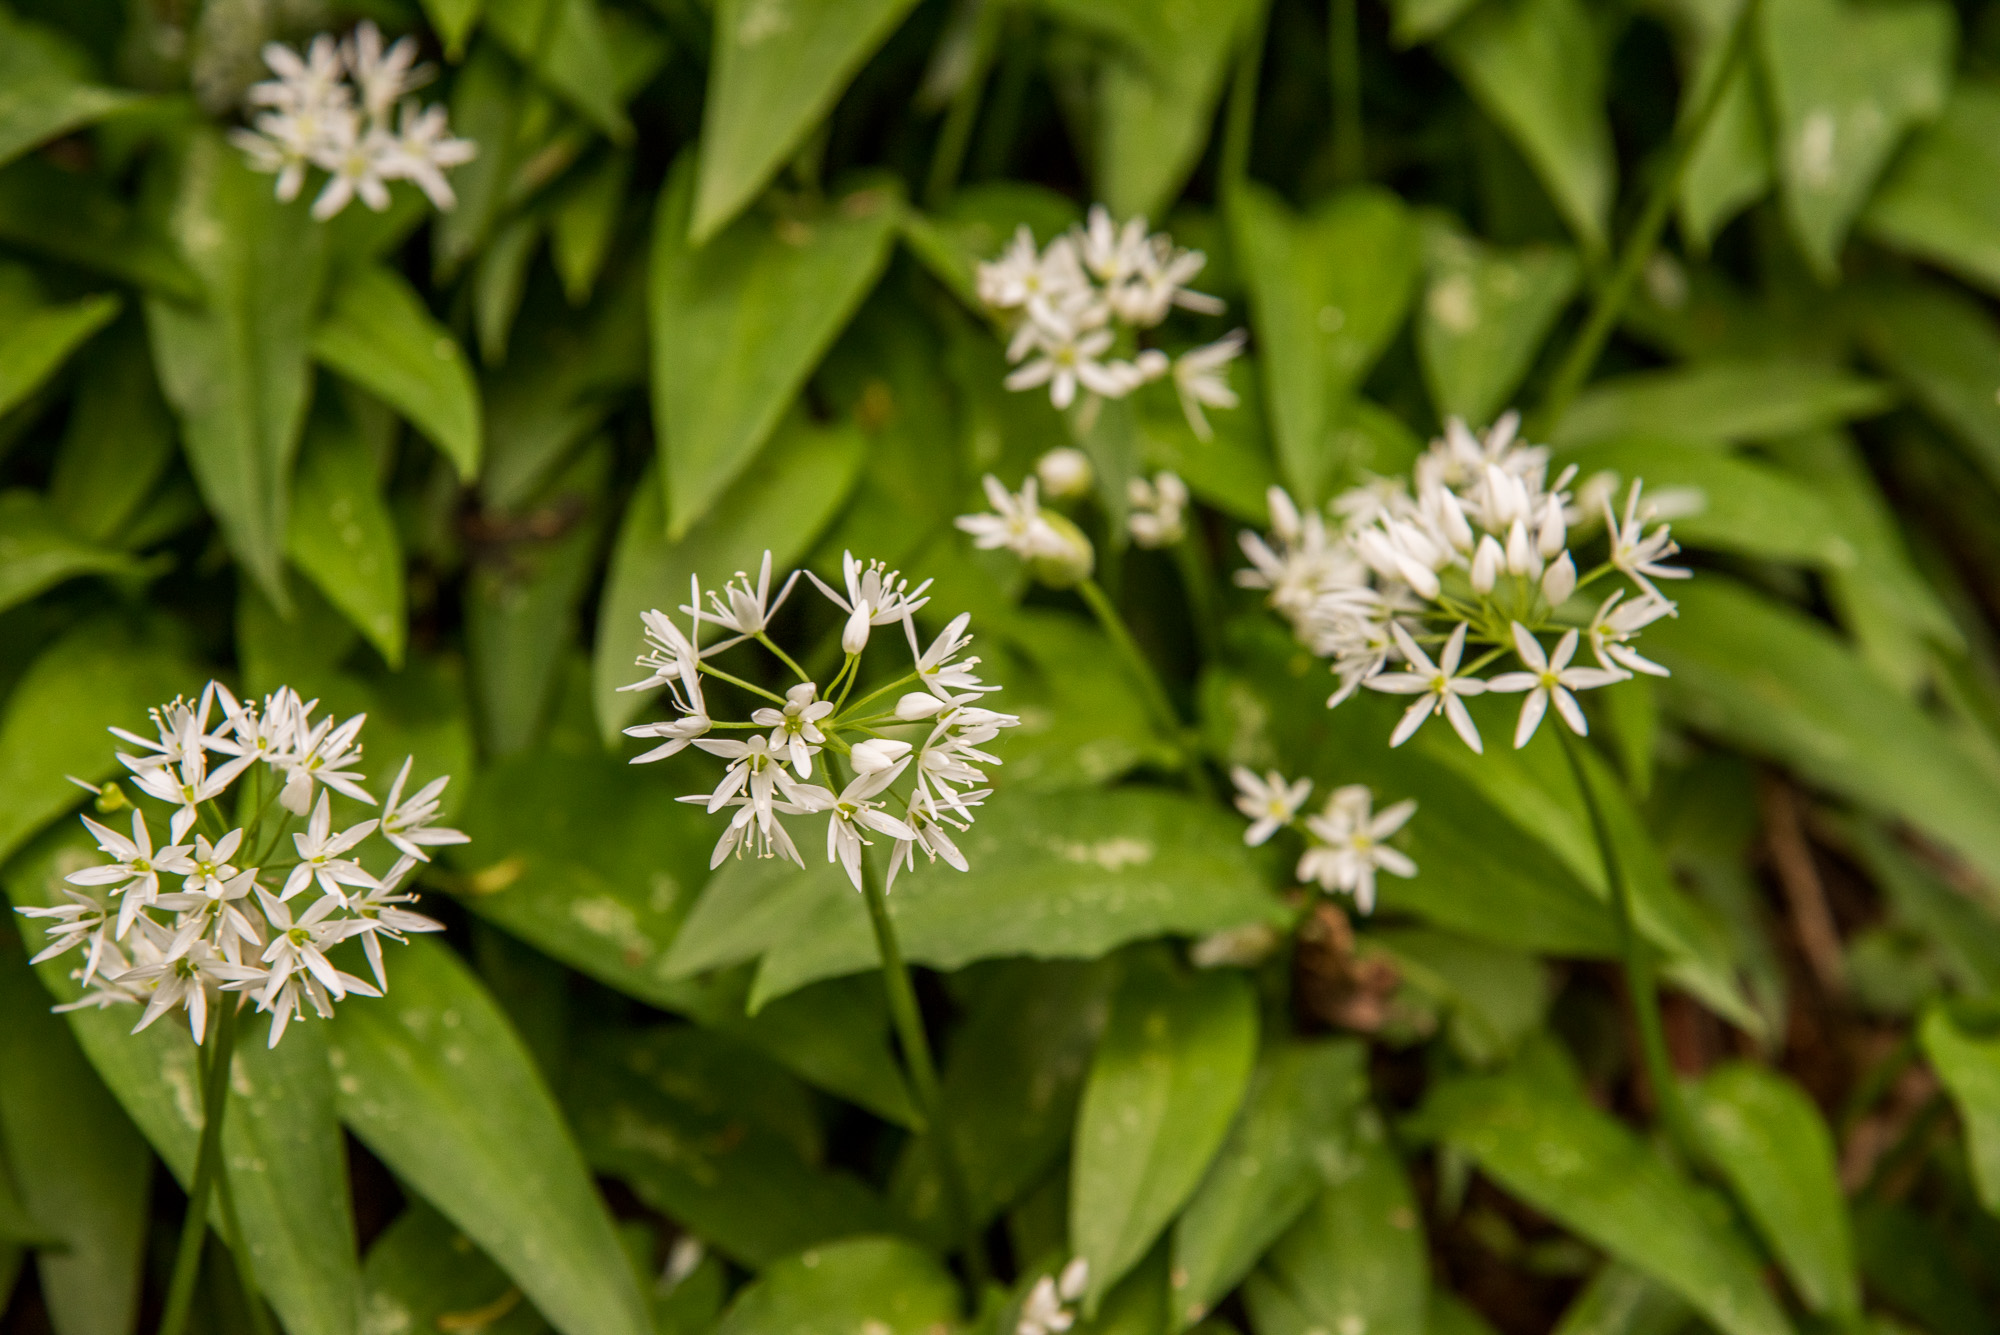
(956, 133)
(916, 1047)
(786, 658)
(208, 1160)
(239, 1256)
(1199, 583)
(1242, 114)
(1350, 162)
(720, 675)
(904, 680)
(1640, 981)
(1645, 238)
(1148, 682)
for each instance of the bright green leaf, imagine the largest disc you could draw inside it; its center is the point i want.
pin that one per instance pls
(1777, 1155)
(1533, 1131)
(1718, 401)
(1969, 1065)
(1619, 1300)
(1846, 82)
(1485, 314)
(43, 91)
(1537, 68)
(34, 345)
(236, 368)
(1155, 112)
(739, 324)
(884, 1286)
(564, 42)
(1731, 167)
(1169, 1075)
(583, 222)
(437, 1085)
(342, 536)
(1327, 292)
(1943, 347)
(776, 70)
(39, 551)
(119, 439)
(1414, 21)
(1941, 198)
(377, 333)
(1291, 1138)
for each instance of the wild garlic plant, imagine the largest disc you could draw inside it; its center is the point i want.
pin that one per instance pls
(253, 888)
(1077, 309)
(1422, 587)
(343, 107)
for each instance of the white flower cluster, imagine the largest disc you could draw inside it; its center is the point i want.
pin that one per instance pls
(1344, 842)
(1054, 548)
(223, 929)
(1080, 302)
(334, 109)
(1479, 555)
(770, 767)
(1158, 517)
(1050, 1307)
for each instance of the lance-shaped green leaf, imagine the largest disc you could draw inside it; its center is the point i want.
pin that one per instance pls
(1731, 166)
(83, 220)
(739, 324)
(1531, 1130)
(39, 551)
(1721, 401)
(1155, 111)
(1355, 1260)
(1327, 292)
(775, 71)
(1618, 1300)
(1293, 1136)
(1770, 680)
(236, 367)
(780, 506)
(377, 333)
(44, 90)
(1169, 1074)
(437, 1085)
(1846, 82)
(564, 42)
(1773, 1148)
(423, 1274)
(1941, 198)
(1414, 21)
(1942, 346)
(280, 1142)
(77, 1160)
(102, 673)
(119, 439)
(885, 1286)
(36, 343)
(1969, 1064)
(1537, 68)
(1485, 314)
(341, 533)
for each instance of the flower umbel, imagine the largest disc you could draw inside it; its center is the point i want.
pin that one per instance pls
(1345, 841)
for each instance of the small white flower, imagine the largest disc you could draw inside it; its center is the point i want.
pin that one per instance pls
(1550, 677)
(319, 855)
(795, 729)
(1351, 847)
(379, 912)
(1065, 473)
(407, 824)
(135, 870)
(1159, 509)
(81, 919)
(1201, 378)
(1441, 689)
(1067, 356)
(1637, 553)
(876, 596)
(324, 753)
(1017, 522)
(749, 608)
(1617, 624)
(857, 809)
(382, 77)
(939, 668)
(1269, 803)
(300, 946)
(424, 150)
(185, 981)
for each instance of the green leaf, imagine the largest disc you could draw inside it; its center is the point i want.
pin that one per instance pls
(423, 1274)
(1718, 401)
(1726, 502)
(775, 72)
(486, 104)
(118, 441)
(1292, 1137)
(885, 1286)
(342, 536)
(1941, 198)
(1355, 1261)
(1010, 1088)
(1969, 1066)
(83, 220)
(39, 551)
(1769, 680)
(236, 368)
(564, 42)
(1069, 875)
(1155, 112)
(1327, 292)
(99, 674)
(37, 343)
(1964, 932)
(454, 21)
(583, 222)
(1485, 314)
(43, 92)
(1732, 165)
(1846, 82)
(1537, 68)
(1619, 1300)
(1414, 21)
(377, 333)
(1776, 1153)
(1941, 346)
(780, 506)
(79, 1164)
(698, 1127)
(437, 1085)
(1495, 997)
(1907, 1258)
(1531, 1129)
(739, 324)
(280, 1142)
(1168, 1077)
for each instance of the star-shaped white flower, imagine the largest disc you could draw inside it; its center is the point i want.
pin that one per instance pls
(1438, 684)
(1617, 624)
(320, 857)
(1269, 803)
(795, 729)
(1351, 847)
(749, 607)
(876, 596)
(1550, 677)
(1639, 554)
(407, 823)
(1201, 378)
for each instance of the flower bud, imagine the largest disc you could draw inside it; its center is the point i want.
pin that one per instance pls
(877, 754)
(1559, 582)
(1522, 558)
(1553, 535)
(1065, 474)
(1486, 563)
(919, 705)
(1066, 559)
(854, 635)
